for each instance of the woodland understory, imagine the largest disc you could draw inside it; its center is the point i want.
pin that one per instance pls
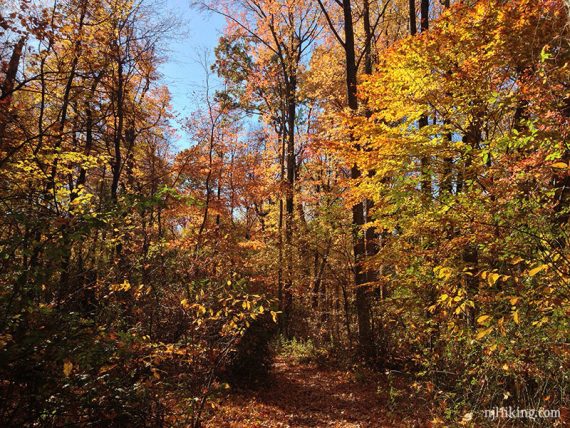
(367, 224)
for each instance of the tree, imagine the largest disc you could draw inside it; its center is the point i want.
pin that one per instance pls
(478, 247)
(282, 33)
(363, 240)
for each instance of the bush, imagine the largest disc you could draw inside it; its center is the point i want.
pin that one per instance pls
(251, 361)
(302, 351)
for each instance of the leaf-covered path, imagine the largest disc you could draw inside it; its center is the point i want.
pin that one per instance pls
(301, 395)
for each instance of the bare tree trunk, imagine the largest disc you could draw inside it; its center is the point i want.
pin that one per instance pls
(447, 180)
(413, 27)
(6, 99)
(426, 184)
(65, 264)
(365, 336)
(280, 225)
(470, 253)
(289, 200)
(119, 120)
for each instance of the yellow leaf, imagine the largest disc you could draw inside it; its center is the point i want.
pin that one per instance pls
(67, 368)
(513, 300)
(537, 269)
(492, 278)
(560, 165)
(442, 272)
(516, 317)
(482, 319)
(482, 333)
(125, 286)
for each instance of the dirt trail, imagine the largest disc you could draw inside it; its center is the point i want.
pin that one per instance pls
(308, 396)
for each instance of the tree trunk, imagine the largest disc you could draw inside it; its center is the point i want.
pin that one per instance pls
(413, 27)
(289, 200)
(365, 337)
(6, 99)
(426, 185)
(280, 227)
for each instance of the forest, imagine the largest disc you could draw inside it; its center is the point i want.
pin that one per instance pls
(365, 223)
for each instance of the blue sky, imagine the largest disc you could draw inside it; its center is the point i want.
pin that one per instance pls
(182, 71)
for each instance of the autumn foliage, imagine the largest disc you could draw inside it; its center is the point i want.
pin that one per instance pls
(356, 190)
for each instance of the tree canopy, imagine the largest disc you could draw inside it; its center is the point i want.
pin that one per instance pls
(378, 186)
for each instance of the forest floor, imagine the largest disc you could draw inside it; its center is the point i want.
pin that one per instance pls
(305, 395)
